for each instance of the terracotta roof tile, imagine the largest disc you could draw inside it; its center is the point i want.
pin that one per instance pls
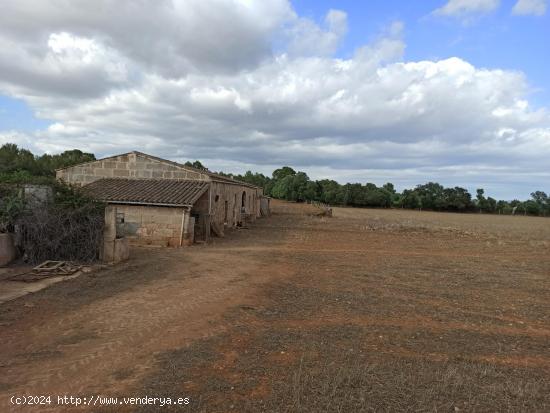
(147, 191)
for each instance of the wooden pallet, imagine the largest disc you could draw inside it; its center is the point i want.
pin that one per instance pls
(47, 269)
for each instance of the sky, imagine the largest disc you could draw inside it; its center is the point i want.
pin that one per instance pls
(453, 91)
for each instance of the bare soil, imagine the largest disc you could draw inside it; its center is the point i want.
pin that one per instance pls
(371, 310)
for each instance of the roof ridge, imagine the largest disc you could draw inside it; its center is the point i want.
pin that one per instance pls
(203, 171)
(163, 160)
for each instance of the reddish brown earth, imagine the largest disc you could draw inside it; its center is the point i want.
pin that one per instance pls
(371, 310)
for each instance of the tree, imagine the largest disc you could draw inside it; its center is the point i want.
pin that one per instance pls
(311, 191)
(542, 200)
(15, 159)
(531, 207)
(457, 199)
(491, 205)
(197, 165)
(481, 202)
(47, 164)
(257, 179)
(330, 192)
(378, 198)
(281, 188)
(503, 207)
(283, 172)
(389, 187)
(431, 195)
(411, 199)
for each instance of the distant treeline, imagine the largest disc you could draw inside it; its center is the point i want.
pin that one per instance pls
(18, 164)
(286, 183)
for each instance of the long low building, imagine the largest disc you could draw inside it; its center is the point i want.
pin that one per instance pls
(162, 202)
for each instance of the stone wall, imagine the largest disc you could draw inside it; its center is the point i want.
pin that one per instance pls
(7, 249)
(133, 165)
(151, 225)
(220, 205)
(232, 194)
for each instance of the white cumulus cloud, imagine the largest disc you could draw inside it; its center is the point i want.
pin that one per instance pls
(467, 8)
(530, 7)
(251, 84)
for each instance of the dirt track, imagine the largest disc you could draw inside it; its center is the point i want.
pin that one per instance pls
(368, 311)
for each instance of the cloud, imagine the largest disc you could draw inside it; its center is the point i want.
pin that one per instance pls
(171, 38)
(280, 97)
(67, 66)
(467, 8)
(307, 38)
(530, 7)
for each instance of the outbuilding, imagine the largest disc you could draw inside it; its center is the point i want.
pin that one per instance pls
(161, 202)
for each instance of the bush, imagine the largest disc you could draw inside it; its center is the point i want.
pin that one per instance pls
(69, 226)
(11, 207)
(58, 232)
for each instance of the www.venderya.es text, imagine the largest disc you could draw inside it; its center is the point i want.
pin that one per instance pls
(97, 400)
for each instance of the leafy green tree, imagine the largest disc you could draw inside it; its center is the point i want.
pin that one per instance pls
(330, 192)
(411, 199)
(503, 207)
(14, 159)
(353, 195)
(378, 198)
(397, 200)
(431, 195)
(542, 200)
(283, 172)
(457, 199)
(311, 191)
(531, 207)
(491, 205)
(47, 164)
(389, 187)
(481, 201)
(197, 165)
(257, 179)
(282, 188)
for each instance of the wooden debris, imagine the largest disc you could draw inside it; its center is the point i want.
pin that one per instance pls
(47, 269)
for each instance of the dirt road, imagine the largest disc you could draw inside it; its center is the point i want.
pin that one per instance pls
(367, 311)
(99, 334)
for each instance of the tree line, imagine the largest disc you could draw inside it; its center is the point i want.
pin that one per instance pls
(18, 164)
(291, 185)
(288, 184)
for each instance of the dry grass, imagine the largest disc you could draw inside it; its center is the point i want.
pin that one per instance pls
(382, 311)
(371, 310)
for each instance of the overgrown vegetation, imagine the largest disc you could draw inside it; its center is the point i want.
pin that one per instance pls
(64, 224)
(11, 206)
(62, 232)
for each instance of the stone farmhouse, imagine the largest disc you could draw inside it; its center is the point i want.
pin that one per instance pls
(160, 202)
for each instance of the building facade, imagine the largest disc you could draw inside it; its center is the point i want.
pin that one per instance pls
(161, 202)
